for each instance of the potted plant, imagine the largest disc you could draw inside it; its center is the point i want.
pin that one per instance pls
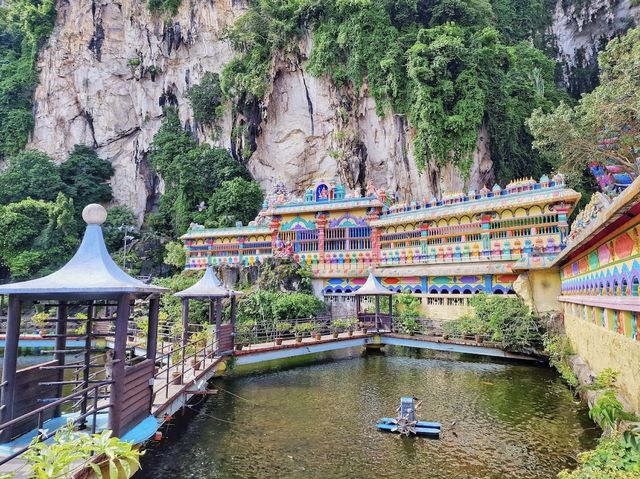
(281, 328)
(39, 320)
(176, 374)
(351, 324)
(300, 329)
(338, 325)
(409, 325)
(243, 333)
(316, 332)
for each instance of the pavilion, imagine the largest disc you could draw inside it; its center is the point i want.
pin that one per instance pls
(372, 288)
(210, 288)
(120, 388)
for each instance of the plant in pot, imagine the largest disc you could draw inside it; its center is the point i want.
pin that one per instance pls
(409, 325)
(301, 329)
(191, 352)
(39, 320)
(244, 332)
(317, 327)
(351, 325)
(450, 329)
(281, 329)
(176, 372)
(335, 328)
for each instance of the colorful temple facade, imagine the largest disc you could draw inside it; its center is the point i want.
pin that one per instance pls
(460, 244)
(600, 279)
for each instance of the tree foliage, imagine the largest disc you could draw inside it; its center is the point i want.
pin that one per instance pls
(206, 99)
(24, 25)
(40, 205)
(450, 66)
(37, 235)
(193, 174)
(86, 176)
(574, 135)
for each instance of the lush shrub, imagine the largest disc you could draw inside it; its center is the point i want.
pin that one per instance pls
(265, 307)
(206, 99)
(509, 321)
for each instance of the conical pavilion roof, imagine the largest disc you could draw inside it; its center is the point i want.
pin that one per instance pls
(373, 287)
(91, 273)
(209, 286)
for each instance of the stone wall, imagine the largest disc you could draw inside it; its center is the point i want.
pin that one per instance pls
(601, 349)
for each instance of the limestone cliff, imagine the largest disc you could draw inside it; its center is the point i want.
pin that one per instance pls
(110, 66)
(581, 29)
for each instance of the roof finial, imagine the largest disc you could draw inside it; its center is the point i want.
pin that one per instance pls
(94, 214)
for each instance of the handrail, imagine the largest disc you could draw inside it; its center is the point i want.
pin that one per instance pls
(43, 436)
(51, 405)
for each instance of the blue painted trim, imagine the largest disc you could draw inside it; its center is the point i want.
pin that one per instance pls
(304, 350)
(44, 343)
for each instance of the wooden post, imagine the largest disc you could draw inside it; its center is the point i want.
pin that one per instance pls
(152, 329)
(211, 310)
(377, 311)
(185, 321)
(87, 361)
(10, 365)
(218, 312)
(118, 366)
(61, 344)
(232, 320)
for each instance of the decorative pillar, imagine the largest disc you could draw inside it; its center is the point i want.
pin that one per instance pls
(118, 366)
(424, 236)
(321, 224)
(241, 242)
(485, 222)
(563, 224)
(10, 365)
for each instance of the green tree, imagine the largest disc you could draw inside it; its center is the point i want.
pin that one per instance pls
(24, 25)
(37, 236)
(234, 200)
(610, 112)
(191, 173)
(120, 221)
(206, 99)
(30, 174)
(86, 177)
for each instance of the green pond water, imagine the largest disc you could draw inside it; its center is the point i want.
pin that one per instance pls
(316, 420)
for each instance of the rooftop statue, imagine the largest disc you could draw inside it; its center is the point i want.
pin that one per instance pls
(598, 203)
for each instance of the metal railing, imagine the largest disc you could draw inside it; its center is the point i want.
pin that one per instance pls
(179, 361)
(254, 336)
(93, 392)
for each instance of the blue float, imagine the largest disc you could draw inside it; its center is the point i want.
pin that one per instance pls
(406, 423)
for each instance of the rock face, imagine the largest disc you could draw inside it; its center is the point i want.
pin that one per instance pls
(581, 29)
(110, 67)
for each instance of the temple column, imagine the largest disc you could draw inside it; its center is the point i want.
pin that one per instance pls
(485, 222)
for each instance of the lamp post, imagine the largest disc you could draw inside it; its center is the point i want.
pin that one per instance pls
(126, 229)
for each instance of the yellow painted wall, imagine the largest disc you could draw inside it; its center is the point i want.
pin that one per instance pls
(601, 348)
(545, 287)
